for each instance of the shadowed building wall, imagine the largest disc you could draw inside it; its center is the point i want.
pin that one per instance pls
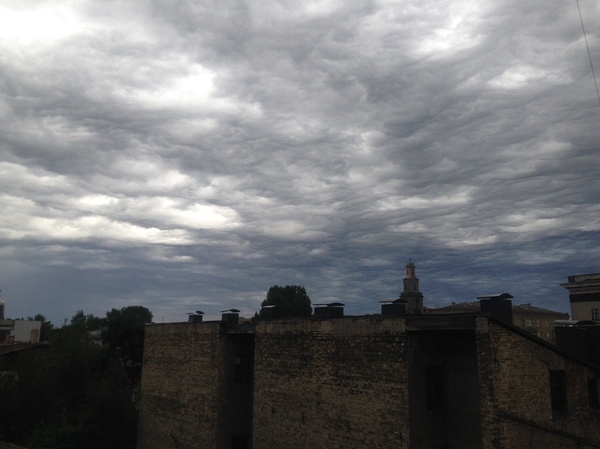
(415, 382)
(196, 387)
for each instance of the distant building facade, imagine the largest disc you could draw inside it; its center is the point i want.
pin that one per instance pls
(19, 331)
(584, 296)
(535, 320)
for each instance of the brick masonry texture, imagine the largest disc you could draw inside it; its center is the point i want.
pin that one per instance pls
(331, 384)
(515, 401)
(180, 379)
(360, 382)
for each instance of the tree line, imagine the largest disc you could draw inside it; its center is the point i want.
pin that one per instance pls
(78, 390)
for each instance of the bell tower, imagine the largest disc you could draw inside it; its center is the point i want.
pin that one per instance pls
(411, 294)
(411, 281)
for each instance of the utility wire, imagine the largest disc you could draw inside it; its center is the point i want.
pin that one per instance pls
(588, 50)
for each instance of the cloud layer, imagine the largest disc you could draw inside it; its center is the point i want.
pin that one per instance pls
(192, 155)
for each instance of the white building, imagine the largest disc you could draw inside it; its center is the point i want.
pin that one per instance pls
(584, 296)
(18, 331)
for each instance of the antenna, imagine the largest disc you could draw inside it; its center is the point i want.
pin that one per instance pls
(588, 50)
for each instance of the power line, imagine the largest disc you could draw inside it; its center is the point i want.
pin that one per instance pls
(588, 50)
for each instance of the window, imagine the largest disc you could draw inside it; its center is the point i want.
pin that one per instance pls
(528, 323)
(595, 315)
(558, 393)
(435, 388)
(547, 323)
(537, 323)
(593, 393)
(548, 335)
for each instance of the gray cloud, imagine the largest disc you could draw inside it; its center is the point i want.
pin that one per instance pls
(191, 155)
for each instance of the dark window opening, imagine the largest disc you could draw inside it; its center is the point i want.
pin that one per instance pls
(595, 315)
(242, 369)
(558, 393)
(593, 393)
(436, 399)
(240, 442)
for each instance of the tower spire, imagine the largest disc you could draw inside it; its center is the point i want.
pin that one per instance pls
(411, 293)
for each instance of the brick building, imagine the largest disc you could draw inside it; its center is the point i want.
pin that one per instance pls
(415, 381)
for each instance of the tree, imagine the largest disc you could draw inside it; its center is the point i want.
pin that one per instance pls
(74, 392)
(88, 322)
(124, 335)
(68, 394)
(46, 328)
(291, 301)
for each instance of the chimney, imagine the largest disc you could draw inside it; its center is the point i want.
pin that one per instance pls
(195, 317)
(231, 316)
(331, 310)
(393, 308)
(498, 306)
(270, 312)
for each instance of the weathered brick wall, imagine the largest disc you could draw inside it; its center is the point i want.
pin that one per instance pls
(344, 383)
(180, 386)
(331, 384)
(515, 393)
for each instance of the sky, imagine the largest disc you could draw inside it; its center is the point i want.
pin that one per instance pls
(187, 155)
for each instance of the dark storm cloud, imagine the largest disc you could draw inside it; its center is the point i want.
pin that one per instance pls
(191, 155)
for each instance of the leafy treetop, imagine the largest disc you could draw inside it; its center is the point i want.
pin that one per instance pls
(124, 335)
(88, 322)
(46, 328)
(291, 301)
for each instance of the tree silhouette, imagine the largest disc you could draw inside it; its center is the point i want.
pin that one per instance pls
(124, 335)
(291, 301)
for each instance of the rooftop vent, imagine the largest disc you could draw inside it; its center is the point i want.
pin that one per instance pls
(497, 296)
(331, 310)
(195, 317)
(571, 323)
(230, 316)
(393, 307)
(270, 312)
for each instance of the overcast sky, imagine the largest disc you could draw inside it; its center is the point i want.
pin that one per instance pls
(188, 155)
